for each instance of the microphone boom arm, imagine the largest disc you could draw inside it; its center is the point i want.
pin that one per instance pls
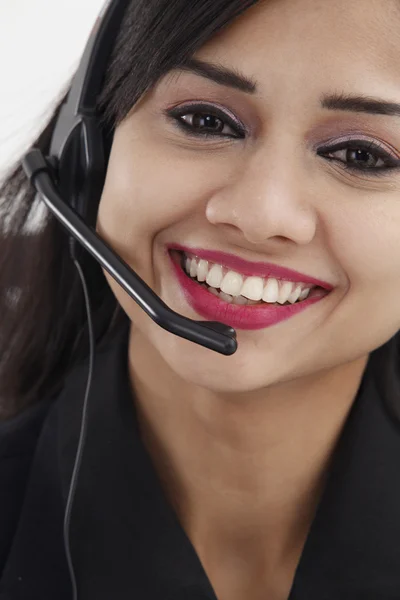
(213, 335)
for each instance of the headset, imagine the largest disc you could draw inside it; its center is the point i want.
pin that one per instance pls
(70, 181)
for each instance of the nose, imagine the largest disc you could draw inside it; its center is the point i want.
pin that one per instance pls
(267, 198)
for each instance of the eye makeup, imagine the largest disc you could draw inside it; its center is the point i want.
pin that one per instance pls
(211, 114)
(204, 108)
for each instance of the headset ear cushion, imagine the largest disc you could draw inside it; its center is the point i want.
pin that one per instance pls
(94, 168)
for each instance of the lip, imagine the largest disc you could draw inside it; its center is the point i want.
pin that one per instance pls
(237, 316)
(257, 269)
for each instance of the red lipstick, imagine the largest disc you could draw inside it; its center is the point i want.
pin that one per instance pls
(257, 269)
(237, 316)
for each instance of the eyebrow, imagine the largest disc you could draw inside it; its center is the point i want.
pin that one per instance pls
(373, 106)
(219, 74)
(234, 79)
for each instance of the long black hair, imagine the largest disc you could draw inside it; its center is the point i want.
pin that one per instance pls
(43, 328)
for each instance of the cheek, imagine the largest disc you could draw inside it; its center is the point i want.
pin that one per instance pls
(150, 195)
(153, 183)
(368, 243)
(365, 242)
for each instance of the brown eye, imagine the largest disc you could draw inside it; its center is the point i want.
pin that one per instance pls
(360, 156)
(205, 121)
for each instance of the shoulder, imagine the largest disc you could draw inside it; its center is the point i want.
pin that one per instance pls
(37, 450)
(18, 436)
(18, 440)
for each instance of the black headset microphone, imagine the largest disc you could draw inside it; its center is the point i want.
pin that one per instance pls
(70, 182)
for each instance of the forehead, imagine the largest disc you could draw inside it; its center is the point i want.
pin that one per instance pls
(335, 39)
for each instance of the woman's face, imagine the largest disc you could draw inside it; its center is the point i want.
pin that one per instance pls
(270, 194)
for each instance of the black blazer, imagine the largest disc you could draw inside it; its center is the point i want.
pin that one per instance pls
(126, 541)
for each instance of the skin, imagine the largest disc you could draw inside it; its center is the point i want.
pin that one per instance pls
(242, 443)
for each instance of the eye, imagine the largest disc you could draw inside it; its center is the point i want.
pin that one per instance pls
(364, 156)
(201, 120)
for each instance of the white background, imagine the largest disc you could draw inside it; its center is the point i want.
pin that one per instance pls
(41, 42)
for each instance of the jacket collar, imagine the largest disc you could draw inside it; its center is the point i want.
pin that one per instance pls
(126, 539)
(353, 548)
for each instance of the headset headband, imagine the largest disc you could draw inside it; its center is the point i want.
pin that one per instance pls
(88, 79)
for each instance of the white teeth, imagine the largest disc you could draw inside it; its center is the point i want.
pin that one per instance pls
(215, 276)
(304, 294)
(294, 296)
(232, 283)
(226, 297)
(237, 289)
(202, 270)
(271, 291)
(214, 291)
(193, 268)
(240, 300)
(285, 291)
(252, 288)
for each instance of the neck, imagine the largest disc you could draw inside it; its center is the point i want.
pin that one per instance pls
(244, 477)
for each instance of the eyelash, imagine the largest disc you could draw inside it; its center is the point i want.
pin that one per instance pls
(372, 148)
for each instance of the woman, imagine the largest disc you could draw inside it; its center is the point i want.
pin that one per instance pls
(271, 473)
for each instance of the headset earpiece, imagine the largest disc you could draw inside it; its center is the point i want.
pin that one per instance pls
(71, 180)
(81, 167)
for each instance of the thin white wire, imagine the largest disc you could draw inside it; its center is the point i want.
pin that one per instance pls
(82, 438)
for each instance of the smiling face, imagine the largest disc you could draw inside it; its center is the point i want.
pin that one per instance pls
(270, 184)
